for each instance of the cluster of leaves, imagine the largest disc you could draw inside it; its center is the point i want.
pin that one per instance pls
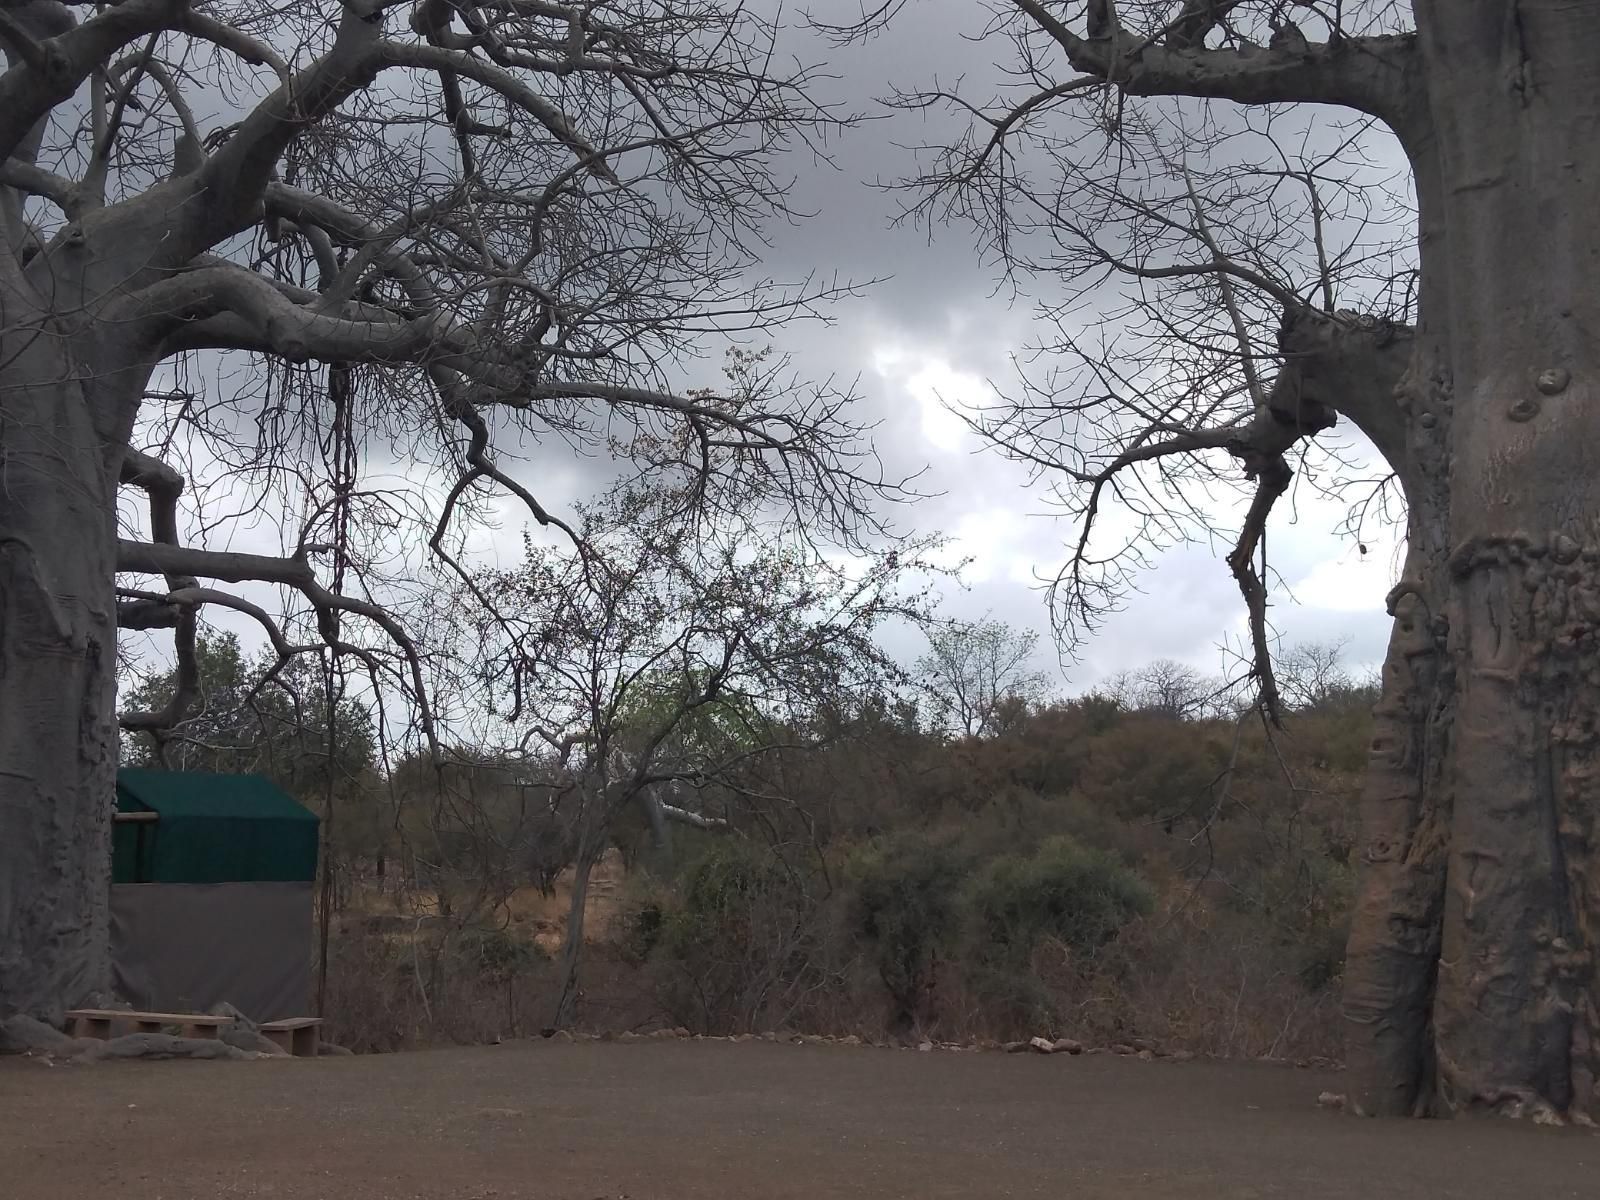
(285, 721)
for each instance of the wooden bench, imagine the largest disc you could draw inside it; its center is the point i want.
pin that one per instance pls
(97, 1022)
(297, 1035)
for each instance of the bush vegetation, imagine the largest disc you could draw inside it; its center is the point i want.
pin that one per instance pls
(1101, 868)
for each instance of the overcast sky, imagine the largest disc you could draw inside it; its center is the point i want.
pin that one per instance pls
(935, 331)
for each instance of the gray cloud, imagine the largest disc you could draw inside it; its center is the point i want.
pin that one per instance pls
(937, 314)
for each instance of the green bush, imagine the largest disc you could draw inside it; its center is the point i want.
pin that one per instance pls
(907, 903)
(639, 927)
(1079, 897)
(735, 946)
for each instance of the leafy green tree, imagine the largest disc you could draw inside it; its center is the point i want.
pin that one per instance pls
(249, 715)
(907, 904)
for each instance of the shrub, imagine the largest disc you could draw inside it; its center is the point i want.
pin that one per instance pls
(638, 927)
(736, 944)
(907, 902)
(430, 983)
(1078, 897)
(1062, 893)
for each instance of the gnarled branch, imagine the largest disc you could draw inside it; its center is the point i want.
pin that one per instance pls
(1370, 74)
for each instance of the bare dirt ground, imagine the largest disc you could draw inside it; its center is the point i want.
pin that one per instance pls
(753, 1121)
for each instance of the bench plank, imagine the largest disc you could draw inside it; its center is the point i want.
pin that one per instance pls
(122, 1014)
(297, 1035)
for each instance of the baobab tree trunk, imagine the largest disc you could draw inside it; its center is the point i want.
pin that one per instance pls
(1473, 986)
(1391, 961)
(58, 656)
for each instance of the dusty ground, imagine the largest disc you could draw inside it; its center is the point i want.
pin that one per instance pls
(681, 1120)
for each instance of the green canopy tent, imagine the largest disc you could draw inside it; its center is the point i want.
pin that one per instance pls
(211, 897)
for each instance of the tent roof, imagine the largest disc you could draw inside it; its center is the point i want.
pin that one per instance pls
(201, 795)
(212, 829)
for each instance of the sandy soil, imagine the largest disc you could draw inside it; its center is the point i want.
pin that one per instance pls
(542, 919)
(753, 1121)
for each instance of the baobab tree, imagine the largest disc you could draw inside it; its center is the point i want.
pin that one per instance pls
(305, 268)
(1226, 297)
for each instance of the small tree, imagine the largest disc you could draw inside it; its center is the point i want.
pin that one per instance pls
(624, 656)
(1312, 678)
(244, 714)
(907, 903)
(975, 671)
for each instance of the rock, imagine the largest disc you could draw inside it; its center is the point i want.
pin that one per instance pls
(1122, 1048)
(850, 1040)
(925, 1047)
(23, 1034)
(1042, 1045)
(160, 1045)
(1553, 380)
(1016, 1047)
(1142, 1044)
(750, 1037)
(338, 1051)
(662, 1035)
(227, 1010)
(243, 1037)
(628, 1035)
(811, 1039)
(769, 1036)
(561, 1035)
(680, 1032)
(1097, 1050)
(1181, 1056)
(1067, 1046)
(1147, 1056)
(1333, 1100)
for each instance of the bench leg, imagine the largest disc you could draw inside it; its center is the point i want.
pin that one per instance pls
(208, 1031)
(305, 1042)
(92, 1027)
(283, 1037)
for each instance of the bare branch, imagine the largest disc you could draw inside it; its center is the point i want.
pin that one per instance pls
(1370, 74)
(155, 559)
(1272, 480)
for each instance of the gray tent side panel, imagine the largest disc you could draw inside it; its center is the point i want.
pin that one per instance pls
(184, 947)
